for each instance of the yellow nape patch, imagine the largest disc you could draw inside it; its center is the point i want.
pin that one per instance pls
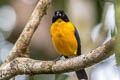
(63, 37)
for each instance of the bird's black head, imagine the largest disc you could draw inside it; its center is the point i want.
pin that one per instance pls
(60, 14)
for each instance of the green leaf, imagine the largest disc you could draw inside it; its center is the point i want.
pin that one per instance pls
(117, 41)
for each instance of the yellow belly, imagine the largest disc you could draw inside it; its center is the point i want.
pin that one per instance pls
(64, 40)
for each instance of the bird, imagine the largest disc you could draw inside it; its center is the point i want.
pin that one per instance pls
(66, 40)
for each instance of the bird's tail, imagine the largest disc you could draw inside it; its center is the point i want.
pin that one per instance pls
(82, 75)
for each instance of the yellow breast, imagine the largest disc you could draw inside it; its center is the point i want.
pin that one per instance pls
(63, 37)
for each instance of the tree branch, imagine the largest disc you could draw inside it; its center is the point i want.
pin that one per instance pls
(23, 41)
(30, 66)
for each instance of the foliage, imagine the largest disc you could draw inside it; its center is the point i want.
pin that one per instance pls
(117, 15)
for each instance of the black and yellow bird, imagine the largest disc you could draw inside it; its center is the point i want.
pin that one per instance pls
(66, 39)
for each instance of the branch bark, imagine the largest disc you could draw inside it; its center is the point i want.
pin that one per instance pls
(30, 66)
(23, 41)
